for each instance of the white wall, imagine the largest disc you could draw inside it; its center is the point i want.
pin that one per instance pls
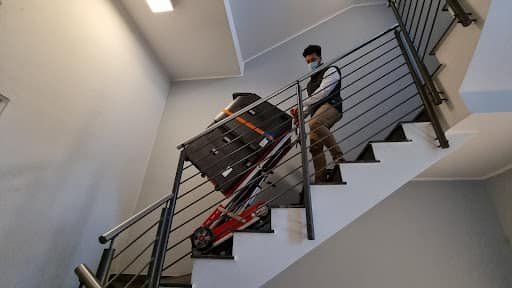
(86, 101)
(427, 234)
(500, 187)
(192, 105)
(487, 86)
(262, 24)
(456, 53)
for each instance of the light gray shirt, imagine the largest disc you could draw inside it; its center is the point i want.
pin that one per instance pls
(328, 84)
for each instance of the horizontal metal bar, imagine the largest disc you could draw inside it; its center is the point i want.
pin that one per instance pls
(86, 277)
(462, 16)
(247, 169)
(136, 239)
(371, 61)
(366, 54)
(136, 275)
(433, 25)
(429, 107)
(443, 37)
(345, 87)
(383, 129)
(429, 83)
(418, 22)
(296, 154)
(255, 141)
(297, 168)
(177, 243)
(376, 119)
(375, 81)
(308, 75)
(344, 76)
(130, 263)
(292, 171)
(176, 261)
(234, 115)
(114, 232)
(312, 174)
(413, 16)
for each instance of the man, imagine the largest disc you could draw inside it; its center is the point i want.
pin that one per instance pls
(324, 104)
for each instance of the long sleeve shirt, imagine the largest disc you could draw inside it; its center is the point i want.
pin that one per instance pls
(328, 84)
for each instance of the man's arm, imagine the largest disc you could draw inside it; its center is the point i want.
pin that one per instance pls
(328, 84)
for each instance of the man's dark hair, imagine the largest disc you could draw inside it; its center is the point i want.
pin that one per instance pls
(312, 49)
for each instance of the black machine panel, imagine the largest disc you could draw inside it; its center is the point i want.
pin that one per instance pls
(227, 154)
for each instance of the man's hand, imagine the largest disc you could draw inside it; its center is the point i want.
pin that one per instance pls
(295, 113)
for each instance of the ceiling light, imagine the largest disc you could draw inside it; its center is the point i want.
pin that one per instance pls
(158, 6)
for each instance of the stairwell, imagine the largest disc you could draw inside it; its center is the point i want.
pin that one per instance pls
(334, 207)
(408, 141)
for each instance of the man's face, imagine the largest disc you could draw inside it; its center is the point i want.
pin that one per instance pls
(312, 58)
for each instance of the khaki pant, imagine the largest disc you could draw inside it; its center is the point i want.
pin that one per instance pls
(320, 136)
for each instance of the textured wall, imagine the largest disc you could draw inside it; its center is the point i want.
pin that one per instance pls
(192, 105)
(427, 234)
(487, 86)
(75, 139)
(500, 188)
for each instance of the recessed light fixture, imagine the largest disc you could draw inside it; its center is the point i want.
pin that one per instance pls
(158, 6)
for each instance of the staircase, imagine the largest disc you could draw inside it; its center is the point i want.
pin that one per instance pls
(390, 133)
(334, 207)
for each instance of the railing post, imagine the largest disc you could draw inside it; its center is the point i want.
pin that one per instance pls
(429, 107)
(305, 165)
(103, 270)
(458, 11)
(160, 246)
(425, 75)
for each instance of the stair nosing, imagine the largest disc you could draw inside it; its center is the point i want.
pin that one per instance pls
(390, 141)
(215, 257)
(360, 162)
(271, 231)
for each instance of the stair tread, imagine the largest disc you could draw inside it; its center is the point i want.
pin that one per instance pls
(335, 208)
(390, 141)
(211, 256)
(263, 231)
(360, 161)
(329, 184)
(288, 206)
(176, 281)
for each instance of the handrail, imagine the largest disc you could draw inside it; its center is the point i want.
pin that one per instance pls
(154, 263)
(107, 236)
(86, 277)
(462, 16)
(431, 87)
(290, 85)
(114, 232)
(429, 108)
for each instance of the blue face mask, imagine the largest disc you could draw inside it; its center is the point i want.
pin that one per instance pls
(313, 65)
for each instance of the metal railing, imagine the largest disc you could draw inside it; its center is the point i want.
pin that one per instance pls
(381, 88)
(427, 23)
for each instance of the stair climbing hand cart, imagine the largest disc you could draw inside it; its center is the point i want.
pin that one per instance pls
(237, 157)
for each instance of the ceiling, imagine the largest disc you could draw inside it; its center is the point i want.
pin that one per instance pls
(193, 41)
(214, 38)
(262, 24)
(486, 154)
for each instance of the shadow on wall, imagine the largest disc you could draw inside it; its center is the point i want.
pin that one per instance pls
(70, 217)
(3, 103)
